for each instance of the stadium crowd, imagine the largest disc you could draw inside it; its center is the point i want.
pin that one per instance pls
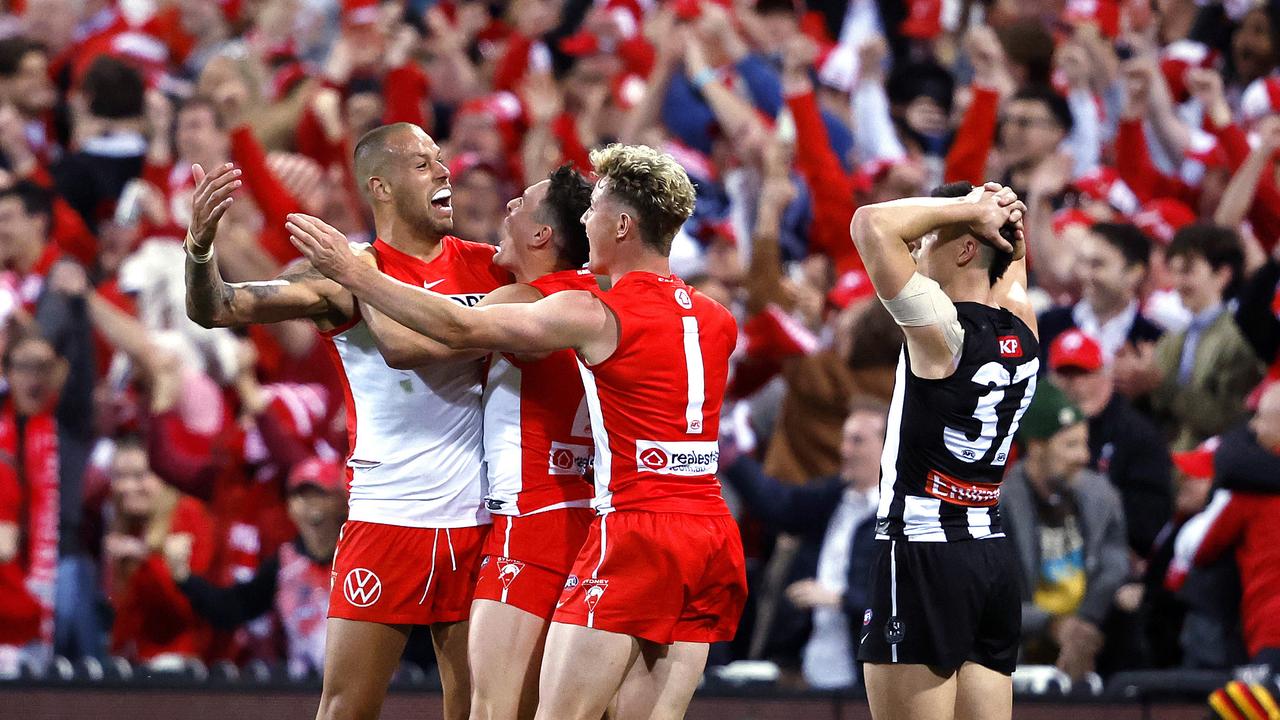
(169, 492)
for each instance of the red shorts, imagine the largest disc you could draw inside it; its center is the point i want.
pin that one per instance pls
(663, 577)
(527, 558)
(404, 575)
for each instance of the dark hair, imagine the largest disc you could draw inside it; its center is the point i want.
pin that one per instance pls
(1219, 246)
(1027, 42)
(196, 102)
(129, 440)
(1053, 102)
(567, 198)
(921, 79)
(1000, 259)
(115, 89)
(775, 7)
(35, 200)
(1132, 243)
(13, 50)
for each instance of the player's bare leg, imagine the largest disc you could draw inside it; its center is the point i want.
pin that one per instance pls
(582, 669)
(983, 694)
(450, 643)
(661, 682)
(505, 647)
(909, 692)
(359, 660)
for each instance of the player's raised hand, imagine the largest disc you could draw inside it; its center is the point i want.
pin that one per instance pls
(322, 244)
(209, 203)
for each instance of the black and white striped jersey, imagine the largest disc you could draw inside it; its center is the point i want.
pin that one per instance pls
(948, 440)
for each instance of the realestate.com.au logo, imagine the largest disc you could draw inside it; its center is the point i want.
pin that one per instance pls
(678, 458)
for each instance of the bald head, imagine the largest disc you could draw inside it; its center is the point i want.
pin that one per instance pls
(377, 151)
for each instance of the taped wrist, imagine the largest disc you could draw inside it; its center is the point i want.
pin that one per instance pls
(922, 303)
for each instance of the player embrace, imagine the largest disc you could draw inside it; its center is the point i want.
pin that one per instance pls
(940, 639)
(661, 574)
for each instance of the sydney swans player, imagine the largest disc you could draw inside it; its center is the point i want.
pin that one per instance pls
(661, 574)
(410, 552)
(537, 447)
(940, 639)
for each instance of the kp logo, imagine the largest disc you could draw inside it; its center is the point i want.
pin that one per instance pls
(1010, 347)
(654, 459)
(508, 570)
(594, 590)
(362, 587)
(683, 299)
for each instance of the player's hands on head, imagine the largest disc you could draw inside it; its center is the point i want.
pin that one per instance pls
(996, 206)
(209, 203)
(323, 245)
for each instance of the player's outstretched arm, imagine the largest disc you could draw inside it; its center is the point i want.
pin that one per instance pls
(573, 319)
(298, 292)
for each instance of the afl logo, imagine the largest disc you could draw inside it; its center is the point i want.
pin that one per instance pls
(362, 587)
(571, 582)
(562, 459)
(683, 299)
(654, 459)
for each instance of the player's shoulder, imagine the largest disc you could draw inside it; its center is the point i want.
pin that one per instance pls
(469, 248)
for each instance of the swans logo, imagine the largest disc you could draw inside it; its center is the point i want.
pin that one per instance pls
(362, 587)
(508, 570)
(594, 591)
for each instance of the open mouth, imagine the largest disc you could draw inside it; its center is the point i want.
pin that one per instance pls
(443, 199)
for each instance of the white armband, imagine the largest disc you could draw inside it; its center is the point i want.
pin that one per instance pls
(922, 303)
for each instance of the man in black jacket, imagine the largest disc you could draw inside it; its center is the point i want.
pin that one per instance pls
(1124, 445)
(830, 575)
(295, 582)
(1111, 265)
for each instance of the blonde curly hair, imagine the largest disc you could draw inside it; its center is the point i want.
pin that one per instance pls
(653, 184)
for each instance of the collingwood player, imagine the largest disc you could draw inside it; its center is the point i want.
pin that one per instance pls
(940, 639)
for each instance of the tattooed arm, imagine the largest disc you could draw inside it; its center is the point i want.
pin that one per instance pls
(298, 292)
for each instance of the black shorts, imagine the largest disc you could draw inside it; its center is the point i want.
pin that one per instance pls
(944, 604)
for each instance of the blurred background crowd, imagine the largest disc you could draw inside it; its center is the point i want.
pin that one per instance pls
(170, 493)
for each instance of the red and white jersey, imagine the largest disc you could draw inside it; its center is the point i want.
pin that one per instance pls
(655, 402)
(537, 435)
(415, 435)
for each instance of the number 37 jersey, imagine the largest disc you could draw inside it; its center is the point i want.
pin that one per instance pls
(948, 440)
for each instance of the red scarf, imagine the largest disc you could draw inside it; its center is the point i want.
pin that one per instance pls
(37, 470)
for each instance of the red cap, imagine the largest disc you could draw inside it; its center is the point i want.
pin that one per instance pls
(324, 474)
(1105, 185)
(465, 162)
(581, 43)
(1071, 217)
(1074, 349)
(1105, 14)
(924, 20)
(849, 288)
(360, 12)
(1198, 463)
(1162, 218)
